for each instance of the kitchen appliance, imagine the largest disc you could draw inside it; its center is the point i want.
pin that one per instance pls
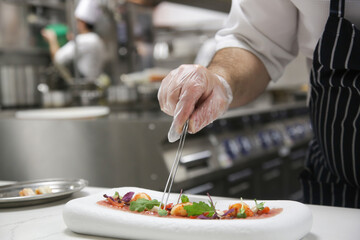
(245, 155)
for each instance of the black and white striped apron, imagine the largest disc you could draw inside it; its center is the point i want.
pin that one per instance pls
(332, 173)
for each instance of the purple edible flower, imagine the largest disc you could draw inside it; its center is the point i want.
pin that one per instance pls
(128, 196)
(228, 212)
(111, 198)
(202, 216)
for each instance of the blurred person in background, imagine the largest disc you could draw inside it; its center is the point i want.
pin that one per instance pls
(258, 40)
(87, 49)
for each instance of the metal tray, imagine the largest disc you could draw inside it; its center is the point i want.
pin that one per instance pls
(61, 188)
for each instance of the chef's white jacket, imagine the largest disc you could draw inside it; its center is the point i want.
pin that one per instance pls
(90, 52)
(275, 30)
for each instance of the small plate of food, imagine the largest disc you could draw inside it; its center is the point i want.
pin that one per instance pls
(136, 213)
(34, 192)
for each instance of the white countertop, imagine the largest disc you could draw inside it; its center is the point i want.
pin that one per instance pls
(45, 222)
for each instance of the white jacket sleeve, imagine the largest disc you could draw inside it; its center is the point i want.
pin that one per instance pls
(266, 28)
(66, 53)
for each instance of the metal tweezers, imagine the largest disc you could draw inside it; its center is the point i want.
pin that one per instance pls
(175, 165)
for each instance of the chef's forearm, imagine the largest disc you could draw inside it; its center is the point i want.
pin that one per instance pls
(245, 73)
(53, 47)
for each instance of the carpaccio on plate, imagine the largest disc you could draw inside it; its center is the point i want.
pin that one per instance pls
(142, 203)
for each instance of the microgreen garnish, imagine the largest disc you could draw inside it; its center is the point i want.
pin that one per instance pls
(143, 204)
(259, 206)
(181, 191)
(241, 213)
(162, 212)
(215, 215)
(109, 197)
(197, 209)
(117, 195)
(184, 199)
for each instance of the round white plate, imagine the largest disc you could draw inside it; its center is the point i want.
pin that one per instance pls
(64, 113)
(85, 216)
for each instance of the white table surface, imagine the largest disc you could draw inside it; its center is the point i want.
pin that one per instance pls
(45, 222)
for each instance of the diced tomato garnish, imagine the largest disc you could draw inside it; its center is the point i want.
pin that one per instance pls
(265, 210)
(249, 213)
(115, 203)
(169, 206)
(193, 217)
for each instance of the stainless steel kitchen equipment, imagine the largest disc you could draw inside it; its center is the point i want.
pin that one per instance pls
(249, 152)
(23, 52)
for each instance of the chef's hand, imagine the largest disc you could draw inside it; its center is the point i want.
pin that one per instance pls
(49, 35)
(69, 36)
(193, 92)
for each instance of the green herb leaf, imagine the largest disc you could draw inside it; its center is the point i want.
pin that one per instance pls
(259, 206)
(143, 204)
(241, 213)
(162, 212)
(197, 209)
(184, 199)
(116, 195)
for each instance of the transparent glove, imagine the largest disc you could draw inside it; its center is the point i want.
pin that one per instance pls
(193, 92)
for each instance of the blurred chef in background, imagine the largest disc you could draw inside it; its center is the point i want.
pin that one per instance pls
(88, 49)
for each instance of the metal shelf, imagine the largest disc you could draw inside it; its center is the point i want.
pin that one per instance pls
(60, 5)
(48, 4)
(25, 51)
(24, 56)
(217, 5)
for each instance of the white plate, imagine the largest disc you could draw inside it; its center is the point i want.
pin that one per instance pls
(84, 215)
(61, 188)
(64, 113)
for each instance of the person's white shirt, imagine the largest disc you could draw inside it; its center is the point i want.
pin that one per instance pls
(90, 54)
(275, 30)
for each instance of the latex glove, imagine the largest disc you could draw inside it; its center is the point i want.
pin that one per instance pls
(193, 92)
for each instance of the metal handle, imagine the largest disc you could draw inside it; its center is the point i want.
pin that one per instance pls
(195, 158)
(200, 189)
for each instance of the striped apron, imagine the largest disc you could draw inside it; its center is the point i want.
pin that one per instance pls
(332, 169)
